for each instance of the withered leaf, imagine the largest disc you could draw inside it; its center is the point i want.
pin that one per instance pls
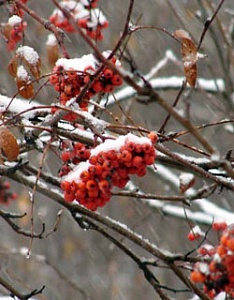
(35, 68)
(26, 89)
(189, 56)
(186, 181)
(12, 67)
(8, 144)
(52, 54)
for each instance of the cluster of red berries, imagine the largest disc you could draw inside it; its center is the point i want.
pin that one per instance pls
(6, 196)
(70, 75)
(108, 165)
(13, 31)
(195, 233)
(86, 16)
(73, 153)
(216, 270)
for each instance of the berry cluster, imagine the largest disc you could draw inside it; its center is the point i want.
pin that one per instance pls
(70, 75)
(108, 165)
(86, 16)
(13, 31)
(195, 233)
(6, 196)
(216, 270)
(72, 154)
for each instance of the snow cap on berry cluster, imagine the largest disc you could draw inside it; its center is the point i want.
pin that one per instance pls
(78, 64)
(119, 142)
(107, 165)
(85, 14)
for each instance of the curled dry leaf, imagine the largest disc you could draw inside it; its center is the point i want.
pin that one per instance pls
(52, 49)
(189, 56)
(12, 67)
(35, 68)
(186, 181)
(8, 144)
(7, 30)
(26, 89)
(24, 84)
(52, 54)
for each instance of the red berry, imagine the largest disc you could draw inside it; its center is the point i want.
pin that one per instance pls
(68, 196)
(116, 80)
(153, 136)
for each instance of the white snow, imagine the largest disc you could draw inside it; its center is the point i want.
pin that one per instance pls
(208, 247)
(106, 53)
(29, 54)
(14, 20)
(229, 128)
(80, 12)
(220, 296)
(96, 17)
(20, 105)
(51, 40)
(77, 131)
(205, 214)
(186, 178)
(196, 230)
(98, 124)
(22, 73)
(72, 5)
(217, 258)
(204, 268)
(171, 82)
(78, 64)
(118, 143)
(169, 56)
(74, 175)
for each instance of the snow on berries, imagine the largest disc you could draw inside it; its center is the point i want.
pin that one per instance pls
(90, 174)
(195, 233)
(13, 31)
(215, 271)
(70, 75)
(86, 16)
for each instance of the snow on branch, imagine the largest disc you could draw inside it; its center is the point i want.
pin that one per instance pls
(167, 83)
(18, 105)
(208, 211)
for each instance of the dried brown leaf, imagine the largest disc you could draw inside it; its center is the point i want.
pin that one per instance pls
(12, 67)
(189, 56)
(52, 54)
(35, 69)
(26, 89)
(8, 144)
